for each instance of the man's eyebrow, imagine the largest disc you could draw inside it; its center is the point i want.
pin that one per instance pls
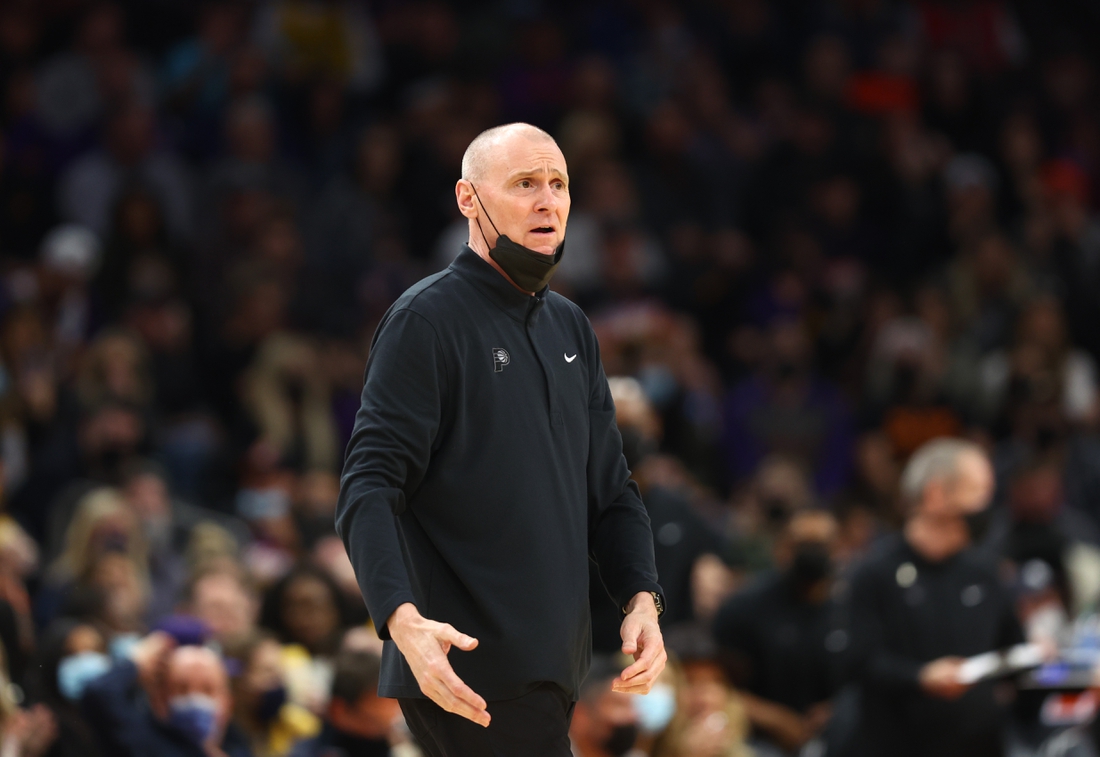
(532, 171)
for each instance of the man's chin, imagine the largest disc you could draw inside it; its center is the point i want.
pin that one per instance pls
(544, 248)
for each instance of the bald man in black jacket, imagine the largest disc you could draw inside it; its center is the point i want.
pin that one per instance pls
(485, 468)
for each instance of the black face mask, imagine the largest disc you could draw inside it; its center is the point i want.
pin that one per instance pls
(812, 563)
(270, 703)
(621, 740)
(776, 511)
(977, 524)
(529, 270)
(786, 370)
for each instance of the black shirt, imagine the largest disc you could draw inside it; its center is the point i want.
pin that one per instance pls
(484, 468)
(791, 651)
(906, 612)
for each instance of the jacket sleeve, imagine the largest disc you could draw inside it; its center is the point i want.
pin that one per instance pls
(619, 536)
(387, 456)
(110, 705)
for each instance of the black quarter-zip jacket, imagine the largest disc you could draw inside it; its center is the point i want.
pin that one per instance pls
(485, 467)
(908, 611)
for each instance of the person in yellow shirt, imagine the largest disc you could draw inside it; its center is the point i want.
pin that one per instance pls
(260, 706)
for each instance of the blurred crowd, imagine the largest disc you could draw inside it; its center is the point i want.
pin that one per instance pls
(811, 235)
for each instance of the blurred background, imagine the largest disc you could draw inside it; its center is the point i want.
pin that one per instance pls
(810, 235)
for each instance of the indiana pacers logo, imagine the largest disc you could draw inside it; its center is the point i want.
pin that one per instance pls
(501, 358)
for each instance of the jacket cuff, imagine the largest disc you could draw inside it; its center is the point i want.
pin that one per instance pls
(623, 598)
(381, 613)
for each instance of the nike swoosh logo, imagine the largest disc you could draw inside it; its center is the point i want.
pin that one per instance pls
(569, 359)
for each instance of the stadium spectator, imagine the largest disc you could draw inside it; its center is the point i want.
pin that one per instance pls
(222, 597)
(306, 611)
(90, 189)
(787, 409)
(605, 723)
(357, 721)
(260, 706)
(165, 700)
(1052, 552)
(103, 527)
(681, 537)
(787, 637)
(70, 655)
(710, 717)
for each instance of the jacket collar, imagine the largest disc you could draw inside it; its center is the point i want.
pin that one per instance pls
(492, 284)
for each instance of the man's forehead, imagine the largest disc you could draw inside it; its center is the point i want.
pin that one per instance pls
(974, 464)
(194, 664)
(519, 155)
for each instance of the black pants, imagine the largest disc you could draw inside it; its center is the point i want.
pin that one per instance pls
(534, 725)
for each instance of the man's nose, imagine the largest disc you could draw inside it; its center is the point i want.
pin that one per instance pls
(547, 200)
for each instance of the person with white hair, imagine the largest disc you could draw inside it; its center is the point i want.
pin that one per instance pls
(922, 603)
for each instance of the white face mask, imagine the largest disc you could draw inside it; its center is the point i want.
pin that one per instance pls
(655, 709)
(75, 672)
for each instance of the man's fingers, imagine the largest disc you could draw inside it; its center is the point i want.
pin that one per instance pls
(641, 664)
(450, 693)
(649, 653)
(630, 633)
(447, 701)
(635, 668)
(455, 696)
(640, 680)
(460, 690)
(639, 685)
(631, 688)
(459, 639)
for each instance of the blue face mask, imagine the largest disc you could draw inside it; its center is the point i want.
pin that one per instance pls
(122, 645)
(76, 671)
(655, 709)
(195, 715)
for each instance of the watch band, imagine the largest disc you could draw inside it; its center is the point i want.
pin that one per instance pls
(658, 602)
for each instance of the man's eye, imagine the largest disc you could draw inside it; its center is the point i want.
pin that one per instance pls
(525, 184)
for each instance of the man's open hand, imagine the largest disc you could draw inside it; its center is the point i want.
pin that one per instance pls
(641, 638)
(425, 644)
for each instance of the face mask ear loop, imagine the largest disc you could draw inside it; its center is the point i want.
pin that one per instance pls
(478, 221)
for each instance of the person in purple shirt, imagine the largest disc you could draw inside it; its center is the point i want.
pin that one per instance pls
(784, 408)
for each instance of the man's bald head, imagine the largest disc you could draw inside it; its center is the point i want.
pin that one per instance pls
(515, 177)
(196, 670)
(478, 156)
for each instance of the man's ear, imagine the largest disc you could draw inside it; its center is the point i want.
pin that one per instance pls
(464, 196)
